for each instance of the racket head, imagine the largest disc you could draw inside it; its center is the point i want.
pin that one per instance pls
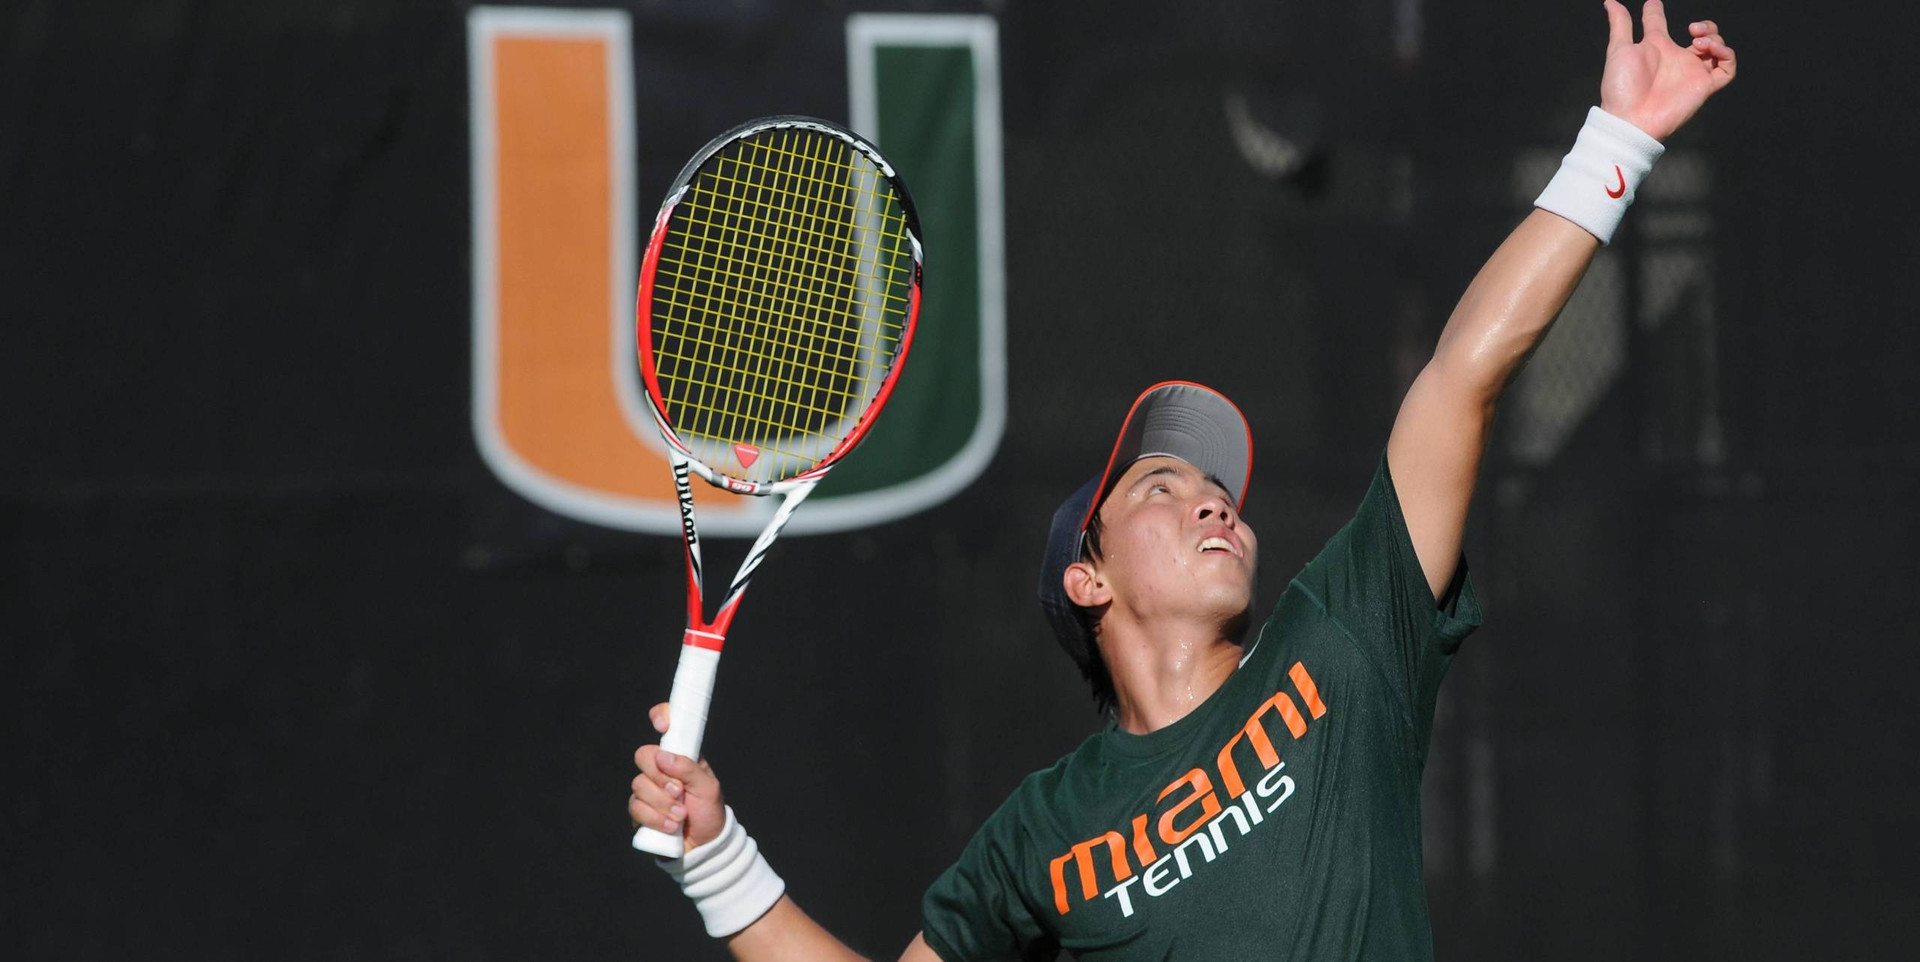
(778, 297)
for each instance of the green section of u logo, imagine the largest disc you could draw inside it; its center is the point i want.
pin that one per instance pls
(926, 89)
(557, 414)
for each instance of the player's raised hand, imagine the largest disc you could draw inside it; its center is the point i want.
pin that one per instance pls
(1657, 84)
(675, 794)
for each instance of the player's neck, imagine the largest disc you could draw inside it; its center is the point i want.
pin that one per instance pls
(1163, 672)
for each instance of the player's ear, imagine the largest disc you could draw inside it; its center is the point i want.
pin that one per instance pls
(1084, 586)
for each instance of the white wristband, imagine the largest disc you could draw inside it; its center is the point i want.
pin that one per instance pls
(1597, 179)
(728, 880)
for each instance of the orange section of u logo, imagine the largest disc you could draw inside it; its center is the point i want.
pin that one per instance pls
(556, 413)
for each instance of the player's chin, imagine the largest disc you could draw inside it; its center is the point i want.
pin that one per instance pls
(1228, 570)
(1237, 628)
(1231, 600)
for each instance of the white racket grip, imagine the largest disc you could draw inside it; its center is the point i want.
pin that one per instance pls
(686, 724)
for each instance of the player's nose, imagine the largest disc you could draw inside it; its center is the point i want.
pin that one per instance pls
(1213, 508)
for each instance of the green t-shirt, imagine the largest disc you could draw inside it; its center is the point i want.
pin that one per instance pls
(1278, 820)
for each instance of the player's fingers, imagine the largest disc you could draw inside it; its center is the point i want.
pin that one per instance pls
(1701, 28)
(697, 777)
(665, 798)
(1723, 70)
(1714, 53)
(647, 759)
(1653, 21)
(658, 715)
(1713, 45)
(644, 814)
(1619, 24)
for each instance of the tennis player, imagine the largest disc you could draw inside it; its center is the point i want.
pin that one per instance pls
(1257, 802)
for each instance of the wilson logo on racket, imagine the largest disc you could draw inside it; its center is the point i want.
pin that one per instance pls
(685, 490)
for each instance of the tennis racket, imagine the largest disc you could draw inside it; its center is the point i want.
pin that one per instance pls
(778, 297)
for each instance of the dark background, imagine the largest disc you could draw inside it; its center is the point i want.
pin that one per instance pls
(289, 674)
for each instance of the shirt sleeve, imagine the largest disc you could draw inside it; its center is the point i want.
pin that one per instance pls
(974, 910)
(1371, 583)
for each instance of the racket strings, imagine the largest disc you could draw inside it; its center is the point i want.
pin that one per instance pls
(822, 344)
(785, 387)
(785, 337)
(781, 295)
(806, 254)
(807, 257)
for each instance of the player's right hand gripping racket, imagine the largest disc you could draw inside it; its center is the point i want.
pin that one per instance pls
(778, 297)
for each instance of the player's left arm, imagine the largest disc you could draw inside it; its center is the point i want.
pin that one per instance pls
(1441, 430)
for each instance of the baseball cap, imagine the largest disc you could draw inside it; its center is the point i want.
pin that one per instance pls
(1178, 419)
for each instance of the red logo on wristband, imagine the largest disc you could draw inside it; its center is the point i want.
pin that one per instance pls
(1617, 194)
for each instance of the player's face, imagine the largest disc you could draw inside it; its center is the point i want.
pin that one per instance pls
(1171, 542)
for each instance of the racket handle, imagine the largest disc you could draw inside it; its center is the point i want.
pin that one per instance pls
(686, 724)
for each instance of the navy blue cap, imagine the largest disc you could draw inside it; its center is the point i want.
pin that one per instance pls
(1177, 419)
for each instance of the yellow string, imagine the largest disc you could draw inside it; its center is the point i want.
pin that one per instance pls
(766, 329)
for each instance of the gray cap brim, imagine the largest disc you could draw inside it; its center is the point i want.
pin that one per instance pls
(1180, 419)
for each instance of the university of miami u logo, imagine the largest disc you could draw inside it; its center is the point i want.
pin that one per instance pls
(557, 410)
